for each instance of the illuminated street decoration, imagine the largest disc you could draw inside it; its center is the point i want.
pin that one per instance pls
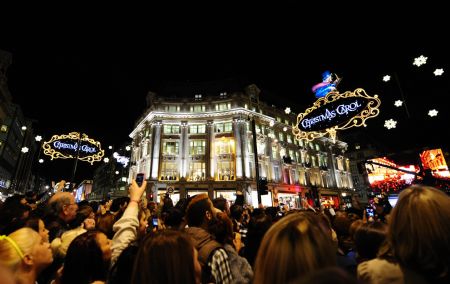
(335, 112)
(121, 159)
(68, 146)
(433, 112)
(438, 72)
(419, 61)
(328, 84)
(390, 123)
(386, 78)
(398, 103)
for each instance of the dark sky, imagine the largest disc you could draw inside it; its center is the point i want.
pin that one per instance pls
(90, 71)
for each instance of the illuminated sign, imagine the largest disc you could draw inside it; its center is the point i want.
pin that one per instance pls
(69, 146)
(121, 159)
(335, 112)
(435, 161)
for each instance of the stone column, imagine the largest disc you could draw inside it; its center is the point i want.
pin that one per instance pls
(209, 157)
(238, 142)
(184, 149)
(156, 133)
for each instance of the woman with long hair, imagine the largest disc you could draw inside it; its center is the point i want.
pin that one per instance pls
(294, 246)
(166, 256)
(26, 254)
(87, 259)
(419, 233)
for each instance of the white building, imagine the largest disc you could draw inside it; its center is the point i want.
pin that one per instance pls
(204, 144)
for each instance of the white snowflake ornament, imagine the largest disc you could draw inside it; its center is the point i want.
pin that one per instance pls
(398, 103)
(390, 123)
(438, 72)
(433, 112)
(419, 61)
(287, 110)
(386, 78)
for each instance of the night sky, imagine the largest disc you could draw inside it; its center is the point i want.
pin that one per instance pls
(91, 72)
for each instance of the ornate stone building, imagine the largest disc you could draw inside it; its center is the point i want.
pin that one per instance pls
(185, 146)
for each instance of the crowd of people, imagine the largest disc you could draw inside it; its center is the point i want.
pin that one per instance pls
(199, 240)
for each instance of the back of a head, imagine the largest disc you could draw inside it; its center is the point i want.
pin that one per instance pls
(236, 212)
(368, 239)
(329, 275)
(195, 212)
(222, 229)
(165, 257)
(419, 232)
(84, 254)
(293, 246)
(220, 203)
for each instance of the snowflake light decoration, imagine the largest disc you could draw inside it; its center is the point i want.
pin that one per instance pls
(386, 78)
(271, 123)
(285, 129)
(398, 103)
(438, 72)
(287, 110)
(419, 61)
(433, 112)
(390, 123)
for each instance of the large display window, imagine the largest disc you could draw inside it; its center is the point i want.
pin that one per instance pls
(229, 195)
(175, 196)
(290, 199)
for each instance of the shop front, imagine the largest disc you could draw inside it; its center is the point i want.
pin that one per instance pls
(293, 200)
(266, 199)
(173, 193)
(329, 200)
(228, 193)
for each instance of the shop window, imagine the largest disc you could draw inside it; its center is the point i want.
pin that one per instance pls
(197, 171)
(289, 138)
(224, 146)
(225, 170)
(276, 173)
(274, 152)
(281, 136)
(169, 171)
(197, 147)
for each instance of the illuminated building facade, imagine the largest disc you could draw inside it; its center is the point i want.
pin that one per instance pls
(186, 146)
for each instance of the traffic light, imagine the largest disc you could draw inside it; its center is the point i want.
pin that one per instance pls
(262, 186)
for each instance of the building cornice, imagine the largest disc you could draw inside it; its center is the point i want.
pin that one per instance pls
(204, 115)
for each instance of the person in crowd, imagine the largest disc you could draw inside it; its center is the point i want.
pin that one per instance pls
(7, 276)
(368, 240)
(26, 254)
(38, 225)
(328, 275)
(121, 271)
(419, 233)
(212, 256)
(87, 259)
(231, 241)
(13, 214)
(128, 227)
(237, 216)
(167, 256)
(222, 204)
(259, 224)
(62, 210)
(118, 206)
(294, 246)
(346, 257)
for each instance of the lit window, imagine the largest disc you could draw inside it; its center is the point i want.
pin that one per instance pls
(197, 147)
(289, 138)
(171, 129)
(170, 148)
(223, 106)
(169, 171)
(223, 94)
(224, 127)
(172, 108)
(197, 171)
(198, 97)
(198, 108)
(4, 128)
(197, 129)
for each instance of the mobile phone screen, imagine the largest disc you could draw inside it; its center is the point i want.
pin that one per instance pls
(155, 222)
(139, 179)
(369, 212)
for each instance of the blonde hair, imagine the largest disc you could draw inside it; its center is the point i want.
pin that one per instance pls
(294, 246)
(16, 245)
